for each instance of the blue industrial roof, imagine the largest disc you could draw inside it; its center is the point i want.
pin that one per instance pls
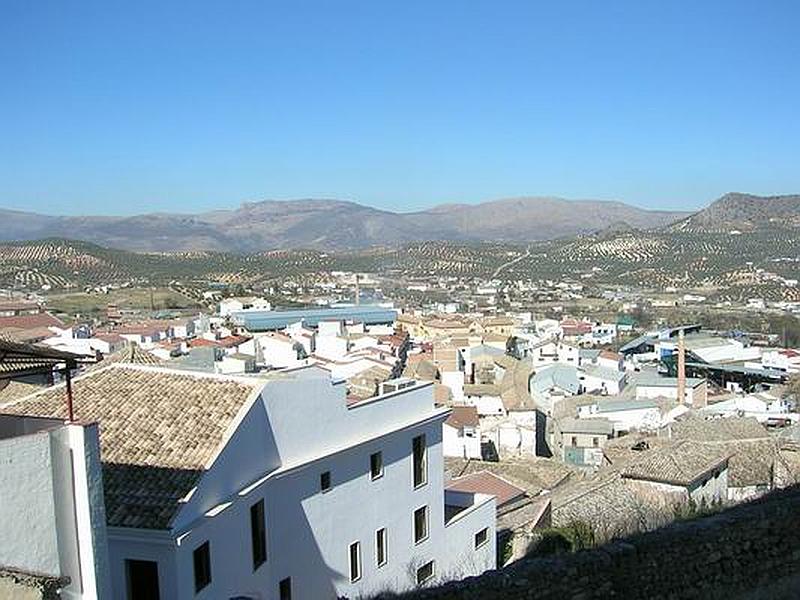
(269, 320)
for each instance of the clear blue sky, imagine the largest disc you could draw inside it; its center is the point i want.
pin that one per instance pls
(122, 107)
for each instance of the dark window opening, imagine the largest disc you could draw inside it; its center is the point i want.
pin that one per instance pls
(355, 561)
(481, 537)
(142, 579)
(285, 589)
(425, 573)
(325, 481)
(202, 566)
(376, 465)
(420, 461)
(258, 534)
(420, 524)
(380, 546)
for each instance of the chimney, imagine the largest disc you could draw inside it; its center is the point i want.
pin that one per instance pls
(358, 292)
(681, 369)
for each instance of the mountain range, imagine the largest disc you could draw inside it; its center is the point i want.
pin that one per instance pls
(343, 225)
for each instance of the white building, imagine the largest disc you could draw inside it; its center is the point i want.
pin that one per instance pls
(696, 392)
(227, 306)
(461, 436)
(625, 415)
(221, 486)
(51, 511)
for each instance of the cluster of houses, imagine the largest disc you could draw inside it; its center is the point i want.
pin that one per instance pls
(347, 451)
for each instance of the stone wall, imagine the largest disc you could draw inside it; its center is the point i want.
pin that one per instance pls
(749, 551)
(19, 585)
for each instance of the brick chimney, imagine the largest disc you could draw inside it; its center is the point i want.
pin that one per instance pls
(681, 369)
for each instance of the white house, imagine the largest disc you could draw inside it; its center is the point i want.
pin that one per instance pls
(601, 380)
(278, 350)
(696, 392)
(461, 436)
(270, 487)
(625, 415)
(227, 306)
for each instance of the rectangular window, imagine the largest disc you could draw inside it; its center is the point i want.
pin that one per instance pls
(420, 451)
(380, 547)
(142, 579)
(481, 537)
(258, 534)
(202, 566)
(355, 561)
(376, 465)
(595, 442)
(425, 573)
(420, 524)
(574, 441)
(285, 589)
(325, 481)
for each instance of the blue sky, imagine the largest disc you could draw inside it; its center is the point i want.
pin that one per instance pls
(118, 108)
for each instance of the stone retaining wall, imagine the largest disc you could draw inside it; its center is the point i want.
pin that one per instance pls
(747, 551)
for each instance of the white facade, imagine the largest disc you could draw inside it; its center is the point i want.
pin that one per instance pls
(292, 432)
(51, 499)
(464, 442)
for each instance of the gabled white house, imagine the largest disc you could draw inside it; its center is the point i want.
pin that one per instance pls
(461, 436)
(222, 487)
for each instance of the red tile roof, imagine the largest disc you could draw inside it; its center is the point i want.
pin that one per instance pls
(463, 416)
(30, 321)
(484, 482)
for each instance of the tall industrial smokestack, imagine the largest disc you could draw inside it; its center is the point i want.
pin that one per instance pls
(681, 369)
(358, 292)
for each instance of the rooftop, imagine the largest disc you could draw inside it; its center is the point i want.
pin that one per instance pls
(159, 430)
(679, 464)
(485, 482)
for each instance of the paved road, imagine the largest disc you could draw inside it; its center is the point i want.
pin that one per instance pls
(505, 265)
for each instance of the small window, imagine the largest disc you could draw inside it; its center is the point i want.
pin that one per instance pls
(355, 561)
(202, 566)
(595, 442)
(420, 461)
(574, 441)
(481, 537)
(425, 573)
(258, 534)
(380, 547)
(420, 524)
(376, 465)
(325, 481)
(285, 589)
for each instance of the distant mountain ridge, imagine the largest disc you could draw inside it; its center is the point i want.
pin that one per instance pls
(745, 212)
(335, 225)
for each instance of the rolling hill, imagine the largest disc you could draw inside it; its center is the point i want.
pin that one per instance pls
(335, 225)
(745, 212)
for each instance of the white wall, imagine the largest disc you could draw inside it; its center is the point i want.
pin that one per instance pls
(53, 517)
(290, 433)
(28, 527)
(457, 443)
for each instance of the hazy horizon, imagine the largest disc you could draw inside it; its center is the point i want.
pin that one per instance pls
(153, 108)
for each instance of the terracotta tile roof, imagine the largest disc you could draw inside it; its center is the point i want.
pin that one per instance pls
(679, 464)
(463, 416)
(37, 321)
(159, 430)
(718, 430)
(484, 482)
(227, 342)
(132, 354)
